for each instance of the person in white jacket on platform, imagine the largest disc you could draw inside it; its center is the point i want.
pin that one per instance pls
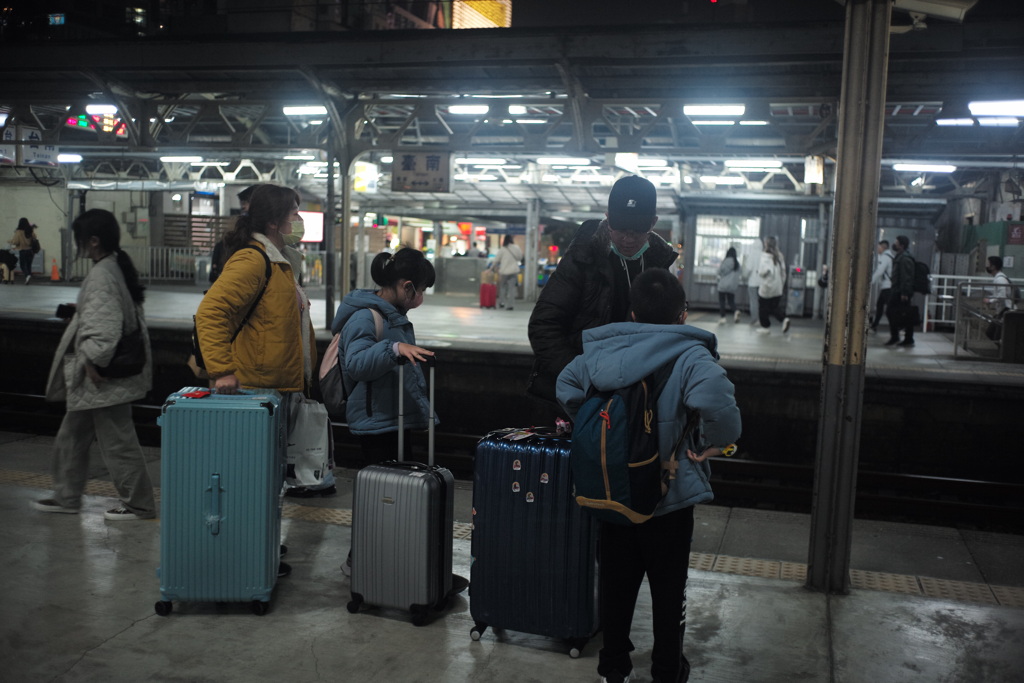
(507, 264)
(772, 271)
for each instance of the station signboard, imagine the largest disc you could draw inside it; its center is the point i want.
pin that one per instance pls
(8, 150)
(421, 172)
(37, 153)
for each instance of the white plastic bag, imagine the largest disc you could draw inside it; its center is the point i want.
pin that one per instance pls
(310, 443)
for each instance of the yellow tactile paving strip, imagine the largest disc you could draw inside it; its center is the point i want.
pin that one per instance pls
(962, 591)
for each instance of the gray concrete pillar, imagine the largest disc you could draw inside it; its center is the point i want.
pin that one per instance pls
(861, 117)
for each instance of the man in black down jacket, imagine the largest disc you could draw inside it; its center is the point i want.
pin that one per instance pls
(590, 287)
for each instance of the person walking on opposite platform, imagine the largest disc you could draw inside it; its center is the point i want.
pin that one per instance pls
(99, 408)
(772, 273)
(685, 357)
(728, 283)
(507, 265)
(22, 242)
(900, 311)
(882, 278)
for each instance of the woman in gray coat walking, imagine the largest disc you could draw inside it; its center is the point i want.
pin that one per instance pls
(99, 408)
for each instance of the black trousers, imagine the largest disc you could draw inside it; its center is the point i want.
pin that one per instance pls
(378, 448)
(769, 308)
(659, 548)
(901, 316)
(883, 299)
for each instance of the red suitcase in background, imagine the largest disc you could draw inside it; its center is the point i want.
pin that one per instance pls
(488, 289)
(488, 295)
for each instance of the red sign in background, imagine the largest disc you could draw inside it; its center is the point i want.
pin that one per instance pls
(1015, 233)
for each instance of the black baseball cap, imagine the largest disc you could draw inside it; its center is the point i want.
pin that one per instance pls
(632, 204)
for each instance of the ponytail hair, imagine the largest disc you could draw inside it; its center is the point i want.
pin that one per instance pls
(771, 245)
(407, 264)
(268, 205)
(101, 224)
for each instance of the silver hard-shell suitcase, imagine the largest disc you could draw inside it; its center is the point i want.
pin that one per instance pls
(402, 514)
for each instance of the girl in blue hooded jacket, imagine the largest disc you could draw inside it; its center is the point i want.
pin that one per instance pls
(369, 361)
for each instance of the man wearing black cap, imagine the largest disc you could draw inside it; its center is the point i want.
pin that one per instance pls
(590, 287)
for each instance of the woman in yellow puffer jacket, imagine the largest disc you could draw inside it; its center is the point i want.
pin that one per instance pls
(273, 347)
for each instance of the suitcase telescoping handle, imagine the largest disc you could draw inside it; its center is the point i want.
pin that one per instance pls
(431, 362)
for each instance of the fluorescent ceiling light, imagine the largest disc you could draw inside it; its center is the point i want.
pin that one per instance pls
(468, 109)
(211, 163)
(925, 168)
(516, 110)
(999, 108)
(386, 160)
(652, 163)
(713, 122)
(305, 110)
(714, 109)
(3, 118)
(687, 179)
(997, 121)
(316, 122)
(563, 161)
(753, 123)
(954, 122)
(528, 121)
(69, 158)
(753, 163)
(100, 109)
(722, 180)
(481, 161)
(181, 160)
(300, 157)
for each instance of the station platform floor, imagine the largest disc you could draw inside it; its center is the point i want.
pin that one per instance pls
(927, 604)
(452, 322)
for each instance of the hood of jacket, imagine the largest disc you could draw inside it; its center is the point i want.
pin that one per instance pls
(620, 354)
(359, 299)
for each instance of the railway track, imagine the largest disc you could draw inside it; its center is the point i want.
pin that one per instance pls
(738, 482)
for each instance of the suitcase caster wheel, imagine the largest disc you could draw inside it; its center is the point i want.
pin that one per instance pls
(164, 607)
(419, 615)
(477, 632)
(260, 608)
(354, 604)
(576, 648)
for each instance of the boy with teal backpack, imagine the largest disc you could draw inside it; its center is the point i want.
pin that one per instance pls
(688, 386)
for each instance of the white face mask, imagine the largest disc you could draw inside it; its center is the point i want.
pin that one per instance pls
(297, 233)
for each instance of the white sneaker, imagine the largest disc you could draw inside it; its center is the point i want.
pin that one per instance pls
(736, 316)
(28, 279)
(121, 514)
(785, 325)
(761, 330)
(721, 321)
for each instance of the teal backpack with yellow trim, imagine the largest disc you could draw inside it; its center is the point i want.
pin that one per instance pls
(618, 473)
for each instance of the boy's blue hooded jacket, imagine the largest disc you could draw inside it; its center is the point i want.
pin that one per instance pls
(620, 354)
(370, 366)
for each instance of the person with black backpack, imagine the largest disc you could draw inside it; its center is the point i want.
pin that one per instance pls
(901, 312)
(696, 414)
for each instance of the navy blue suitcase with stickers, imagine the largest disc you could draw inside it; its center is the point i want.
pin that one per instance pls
(534, 550)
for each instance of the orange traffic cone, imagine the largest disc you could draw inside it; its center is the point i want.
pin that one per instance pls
(54, 272)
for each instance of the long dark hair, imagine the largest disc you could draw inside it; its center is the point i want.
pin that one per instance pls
(101, 224)
(268, 205)
(408, 264)
(25, 227)
(771, 245)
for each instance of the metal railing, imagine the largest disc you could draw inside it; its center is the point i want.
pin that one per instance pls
(179, 264)
(978, 314)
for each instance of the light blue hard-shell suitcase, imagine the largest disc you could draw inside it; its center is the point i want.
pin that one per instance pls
(221, 469)
(402, 516)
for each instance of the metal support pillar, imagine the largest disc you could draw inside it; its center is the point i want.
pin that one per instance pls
(344, 227)
(861, 115)
(330, 259)
(532, 245)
